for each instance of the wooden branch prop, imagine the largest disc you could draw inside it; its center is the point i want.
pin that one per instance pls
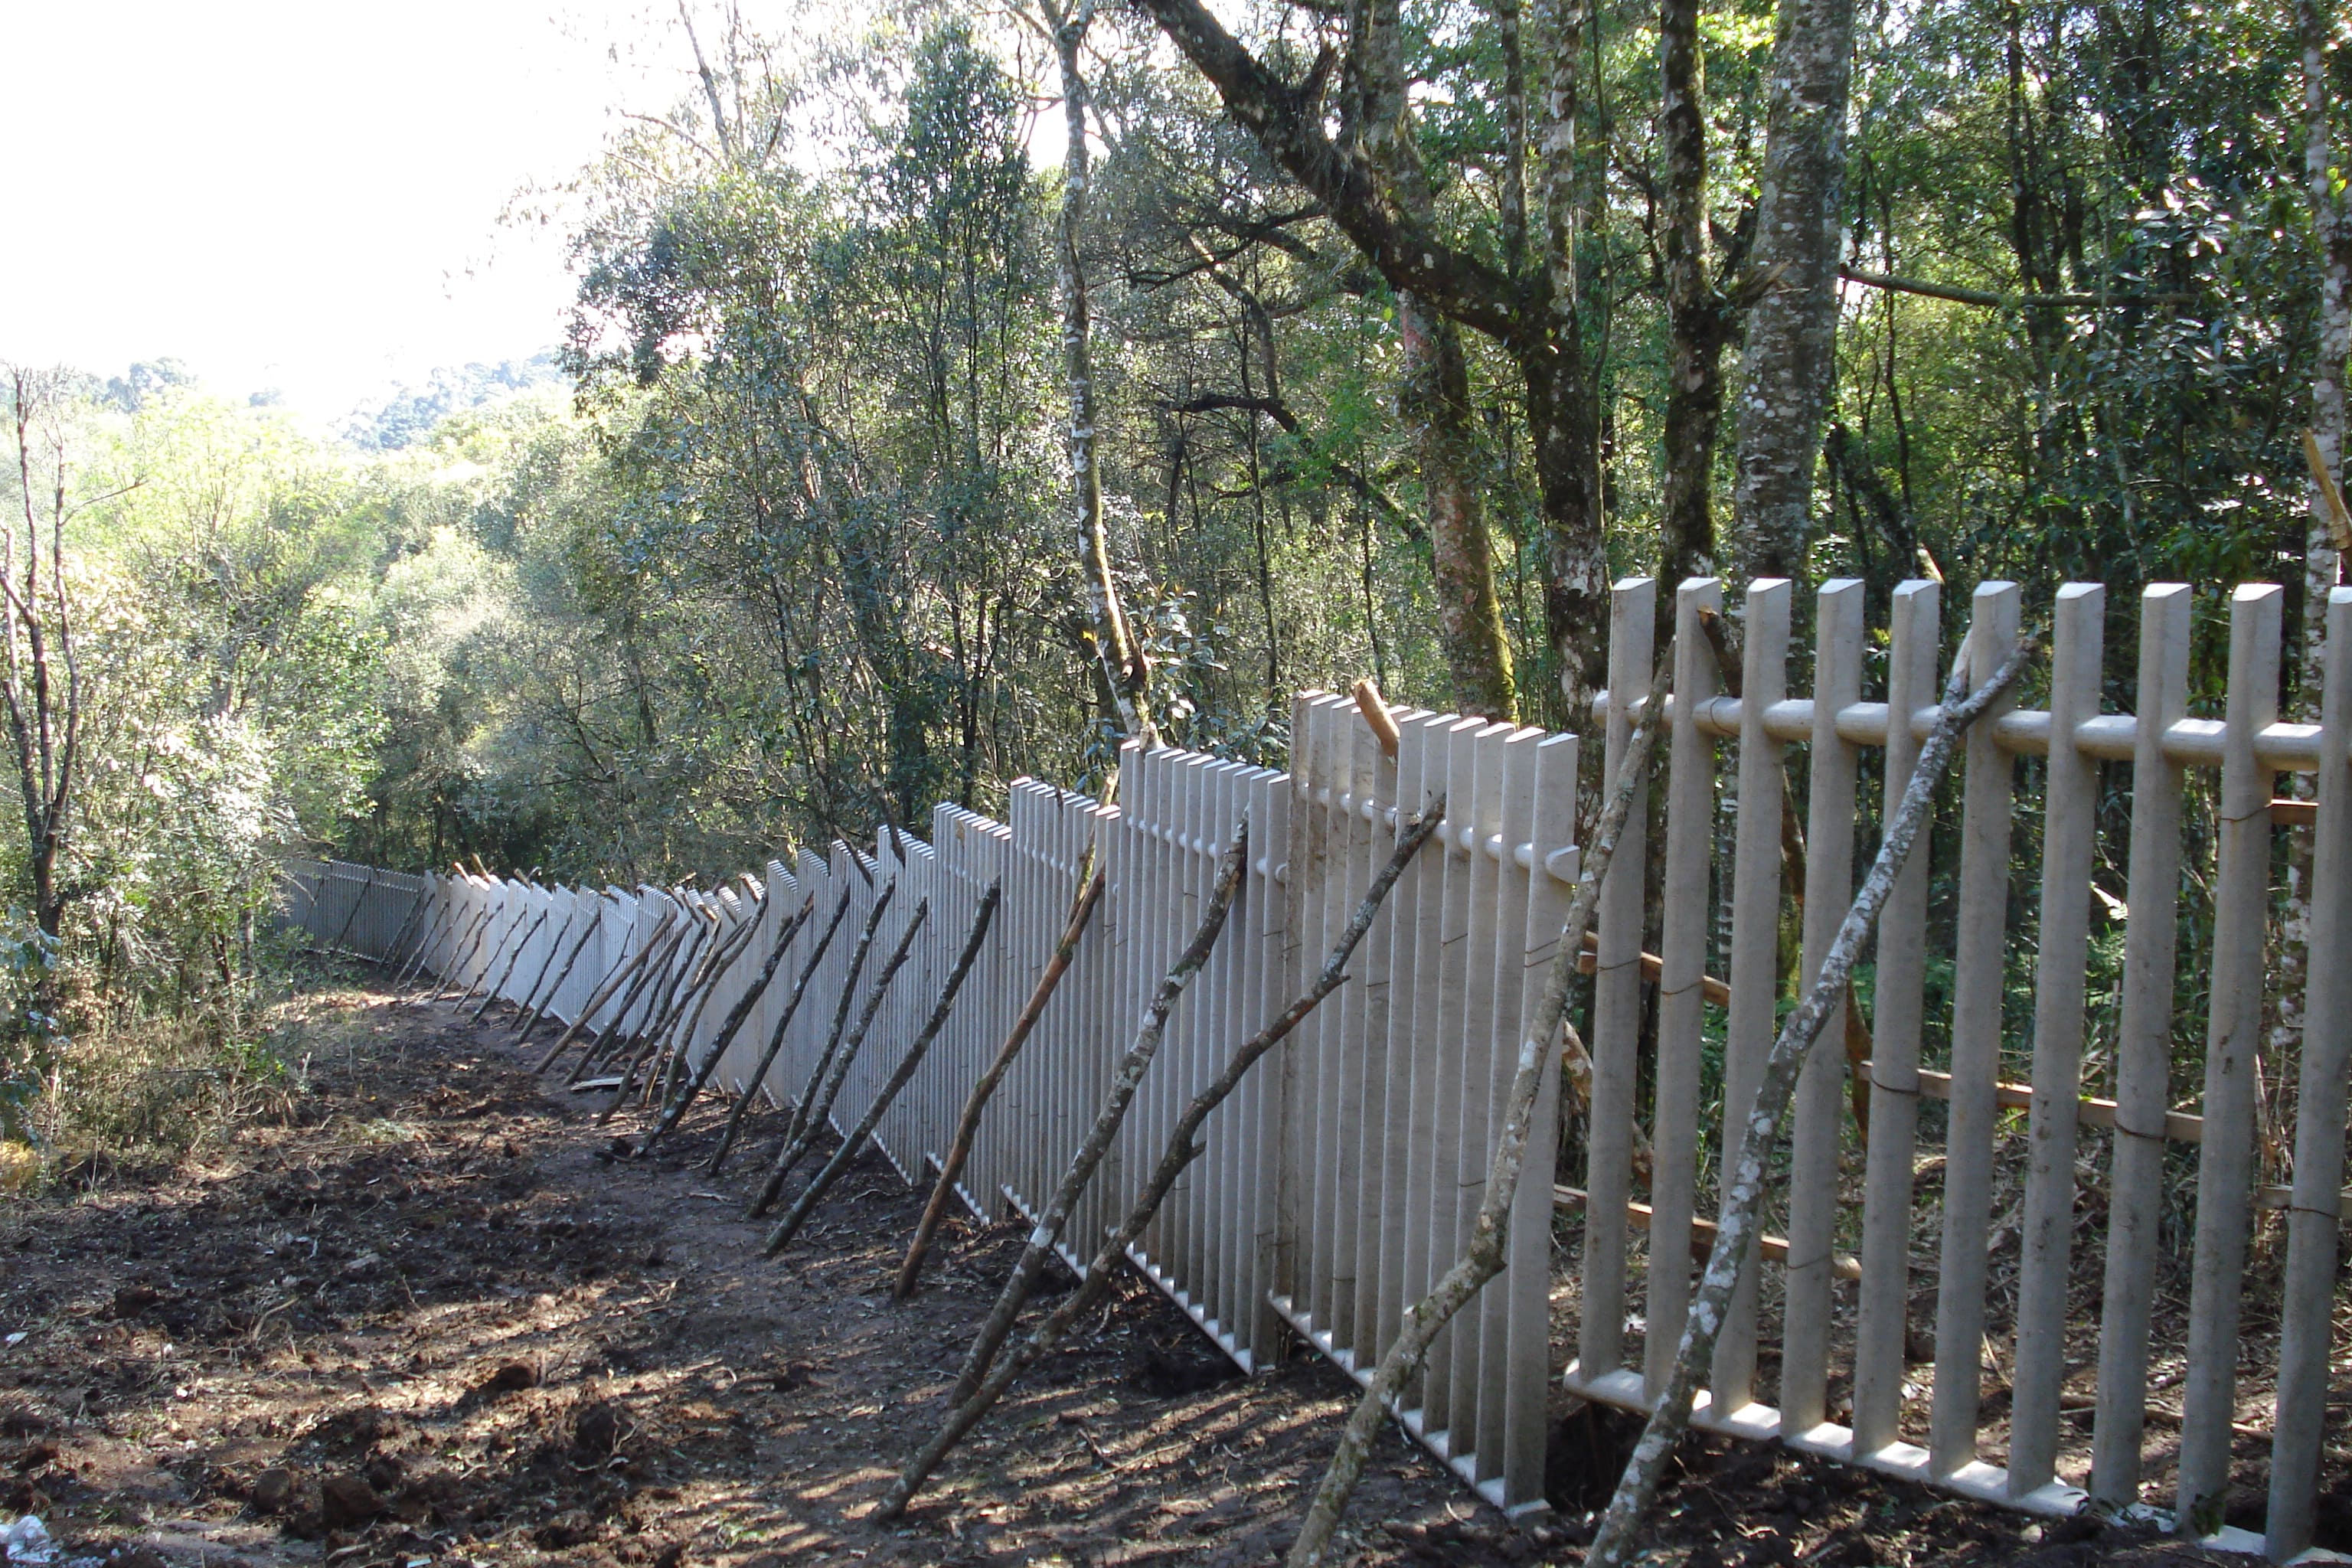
(1737, 1224)
(629, 972)
(489, 953)
(776, 1036)
(1486, 1255)
(793, 1152)
(660, 984)
(677, 1026)
(353, 913)
(678, 1104)
(807, 1096)
(1090, 892)
(628, 964)
(1123, 1085)
(1375, 709)
(390, 958)
(464, 953)
(454, 932)
(512, 958)
(532, 1003)
(1180, 1151)
(651, 986)
(811, 1195)
(2339, 520)
(425, 938)
(679, 1049)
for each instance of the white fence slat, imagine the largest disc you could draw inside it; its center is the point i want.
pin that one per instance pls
(1420, 760)
(2307, 1292)
(1987, 802)
(1682, 960)
(1616, 1000)
(1480, 823)
(1819, 1127)
(1488, 1375)
(2069, 832)
(1552, 827)
(2143, 1048)
(1755, 944)
(2233, 1035)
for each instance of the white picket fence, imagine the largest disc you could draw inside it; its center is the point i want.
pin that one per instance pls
(1342, 1178)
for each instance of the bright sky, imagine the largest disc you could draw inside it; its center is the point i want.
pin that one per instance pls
(306, 196)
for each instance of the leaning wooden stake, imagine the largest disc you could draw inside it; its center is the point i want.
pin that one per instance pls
(743, 1106)
(1488, 1232)
(669, 1074)
(679, 1103)
(1736, 1226)
(848, 999)
(357, 899)
(426, 935)
(674, 1030)
(452, 935)
(513, 958)
(537, 994)
(651, 986)
(463, 954)
(1182, 1149)
(389, 959)
(790, 1156)
(1123, 1085)
(624, 973)
(968, 1124)
(781, 1237)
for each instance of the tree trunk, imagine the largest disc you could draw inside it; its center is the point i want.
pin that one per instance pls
(1563, 402)
(1124, 667)
(1695, 315)
(1434, 400)
(2331, 229)
(1788, 369)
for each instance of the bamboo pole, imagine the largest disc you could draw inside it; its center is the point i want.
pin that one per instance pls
(1181, 1147)
(782, 1236)
(1107, 1122)
(1615, 1543)
(776, 1036)
(796, 1150)
(1082, 912)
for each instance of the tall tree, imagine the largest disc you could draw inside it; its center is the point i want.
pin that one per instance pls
(41, 675)
(1789, 365)
(1537, 312)
(1127, 674)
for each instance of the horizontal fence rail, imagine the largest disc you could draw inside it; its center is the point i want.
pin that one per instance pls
(1948, 1140)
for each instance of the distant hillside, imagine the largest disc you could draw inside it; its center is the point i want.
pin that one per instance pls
(411, 413)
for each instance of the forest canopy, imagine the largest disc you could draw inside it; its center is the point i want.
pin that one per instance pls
(899, 443)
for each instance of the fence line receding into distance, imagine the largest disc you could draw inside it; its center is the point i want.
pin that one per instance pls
(1341, 1179)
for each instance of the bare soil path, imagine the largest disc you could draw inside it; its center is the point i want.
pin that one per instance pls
(433, 1318)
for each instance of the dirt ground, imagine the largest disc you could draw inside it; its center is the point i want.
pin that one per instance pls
(434, 1319)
